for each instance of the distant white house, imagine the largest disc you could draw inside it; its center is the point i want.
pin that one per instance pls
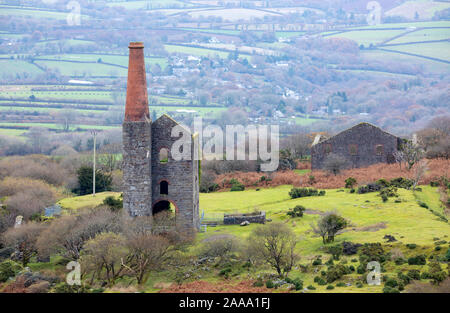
(80, 82)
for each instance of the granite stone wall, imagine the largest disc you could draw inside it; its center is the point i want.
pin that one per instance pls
(182, 176)
(136, 168)
(238, 219)
(362, 145)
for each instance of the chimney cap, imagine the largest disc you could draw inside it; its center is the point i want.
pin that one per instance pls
(136, 45)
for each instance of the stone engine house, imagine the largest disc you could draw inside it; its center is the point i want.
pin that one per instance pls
(362, 145)
(153, 180)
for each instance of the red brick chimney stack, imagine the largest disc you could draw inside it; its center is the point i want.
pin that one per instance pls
(136, 108)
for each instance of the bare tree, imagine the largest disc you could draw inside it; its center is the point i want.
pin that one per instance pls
(329, 225)
(23, 239)
(220, 246)
(274, 244)
(298, 145)
(103, 254)
(148, 252)
(68, 234)
(412, 153)
(66, 118)
(419, 172)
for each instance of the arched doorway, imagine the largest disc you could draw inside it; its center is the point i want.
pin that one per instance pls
(164, 213)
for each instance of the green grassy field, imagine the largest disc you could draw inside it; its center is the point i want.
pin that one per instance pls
(55, 126)
(11, 68)
(108, 58)
(423, 35)
(83, 69)
(368, 37)
(59, 95)
(429, 65)
(407, 24)
(371, 220)
(18, 11)
(434, 49)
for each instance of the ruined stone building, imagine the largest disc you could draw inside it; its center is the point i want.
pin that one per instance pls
(361, 145)
(153, 180)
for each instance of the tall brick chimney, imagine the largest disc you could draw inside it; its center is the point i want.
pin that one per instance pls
(136, 108)
(137, 138)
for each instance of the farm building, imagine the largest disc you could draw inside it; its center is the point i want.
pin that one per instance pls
(361, 145)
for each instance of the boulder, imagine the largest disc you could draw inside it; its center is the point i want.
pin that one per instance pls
(245, 223)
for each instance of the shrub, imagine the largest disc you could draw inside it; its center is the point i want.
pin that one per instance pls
(236, 185)
(298, 284)
(269, 284)
(225, 272)
(447, 256)
(317, 261)
(311, 287)
(372, 252)
(383, 183)
(390, 282)
(336, 272)
(417, 260)
(388, 289)
(221, 247)
(436, 273)
(113, 203)
(350, 182)
(305, 192)
(372, 187)
(349, 248)
(336, 251)
(65, 288)
(320, 281)
(401, 182)
(258, 283)
(297, 211)
(423, 204)
(8, 269)
(341, 284)
(388, 192)
(330, 287)
(414, 274)
(411, 245)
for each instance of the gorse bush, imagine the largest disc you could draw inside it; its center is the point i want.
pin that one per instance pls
(8, 269)
(305, 192)
(350, 182)
(372, 252)
(236, 185)
(113, 203)
(417, 260)
(381, 184)
(297, 211)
